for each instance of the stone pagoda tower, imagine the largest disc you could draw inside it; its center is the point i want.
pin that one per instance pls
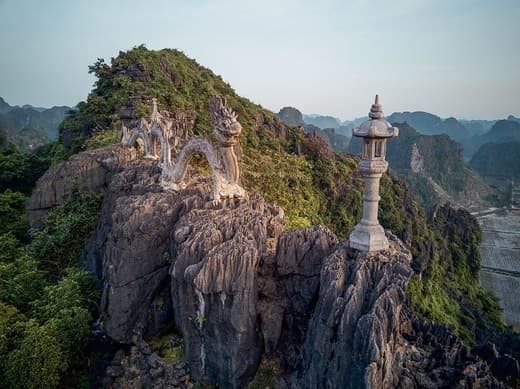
(368, 235)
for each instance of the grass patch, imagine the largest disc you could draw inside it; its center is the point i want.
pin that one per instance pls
(265, 375)
(169, 347)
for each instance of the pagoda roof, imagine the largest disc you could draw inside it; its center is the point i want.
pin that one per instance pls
(376, 126)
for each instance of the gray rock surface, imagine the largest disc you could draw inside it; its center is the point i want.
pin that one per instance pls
(89, 170)
(354, 337)
(129, 252)
(214, 291)
(288, 285)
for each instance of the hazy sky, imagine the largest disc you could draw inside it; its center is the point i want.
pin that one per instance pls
(450, 57)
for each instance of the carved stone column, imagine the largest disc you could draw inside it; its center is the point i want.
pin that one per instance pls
(368, 235)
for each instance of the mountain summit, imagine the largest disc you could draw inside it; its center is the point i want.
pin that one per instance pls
(269, 280)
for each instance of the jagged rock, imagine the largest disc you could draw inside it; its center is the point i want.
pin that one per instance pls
(291, 116)
(289, 282)
(434, 358)
(216, 253)
(88, 170)
(129, 252)
(354, 337)
(229, 278)
(416, 160)
(138, 72)
(134, 369)
(274, 125)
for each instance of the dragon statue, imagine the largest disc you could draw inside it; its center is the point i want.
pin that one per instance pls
(222, 160)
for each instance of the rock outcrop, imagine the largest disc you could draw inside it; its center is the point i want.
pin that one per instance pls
(131, 248)
(142, 367)
(216, 253)
(354, 338)
(237, 288)
(288, 284)
(89, 170)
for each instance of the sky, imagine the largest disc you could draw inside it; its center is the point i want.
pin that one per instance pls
(450, 57)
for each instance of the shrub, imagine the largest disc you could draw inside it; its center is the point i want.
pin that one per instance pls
(58, 245)
(38, 360)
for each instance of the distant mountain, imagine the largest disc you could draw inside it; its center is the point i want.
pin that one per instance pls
(4, 107)
(293, 117)
(429, 124)
(354, 123)
(471, 134)
(498, 150)
(477, 127)
(321, 121)
(434, 168)
(513, 118)
(502, 131)
(39, 109)
(501, 160)
(31, 127)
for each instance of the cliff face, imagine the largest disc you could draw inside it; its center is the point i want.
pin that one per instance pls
(354, 338)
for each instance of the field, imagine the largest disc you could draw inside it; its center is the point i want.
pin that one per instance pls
(501, 261)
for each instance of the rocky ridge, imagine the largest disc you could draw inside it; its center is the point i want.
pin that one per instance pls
(237, 287)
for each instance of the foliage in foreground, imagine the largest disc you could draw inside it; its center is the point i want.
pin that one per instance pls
(448, 291)
(45, 312)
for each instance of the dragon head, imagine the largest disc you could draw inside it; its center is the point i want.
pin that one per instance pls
(225, 124)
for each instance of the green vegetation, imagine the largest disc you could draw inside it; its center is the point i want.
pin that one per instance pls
(58, 245)
(265, 375)
(174, 354)
(102, 139)
(12, 214)
(45, 310)
(448, 291)
(169, 347)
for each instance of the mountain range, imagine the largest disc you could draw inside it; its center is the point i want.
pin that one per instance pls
(471, 134)
(30, 127)
(431, 153)
(333, 136)
(434, 168)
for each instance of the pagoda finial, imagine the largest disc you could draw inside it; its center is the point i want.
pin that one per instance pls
(376, 111)
(154, 106)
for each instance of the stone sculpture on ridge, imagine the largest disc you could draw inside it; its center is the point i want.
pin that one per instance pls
(162, 129)
(368, 235)
(143, 134)
(140, 134)
(222, 159)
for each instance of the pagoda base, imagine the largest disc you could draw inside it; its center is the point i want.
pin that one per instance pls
(368, 238)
